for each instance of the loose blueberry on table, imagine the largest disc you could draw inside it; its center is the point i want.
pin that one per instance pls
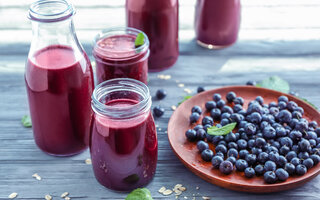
(270, 140)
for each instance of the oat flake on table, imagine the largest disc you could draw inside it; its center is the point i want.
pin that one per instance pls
(13, 195)
(48, 197)
(63, 195)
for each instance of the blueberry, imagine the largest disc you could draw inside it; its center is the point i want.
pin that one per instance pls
(256, 150)
(238, 101)
(263, 157)
(232, 160)
(227, 109)
(202, 145)
(200, 89)
(250, 129)
(296, 115)
(230, 137)
(207, 120)
(243, 135)
(315, 158)
(251, 159)
(290, 155)
(282, 105)
(237, 108)
(224, 121)
(270, 177)
(295, 135)
(308, 163)
(313, 124)
(221, 103)
(242, 144)
(290, 168)
(292, 105)
(216, 139)
(301, 170)
(284, 150)
(161, 94)
(194, 117)
(272, 149)
(281, 132)
(301, 126)
(232, 145)
(270, 166)
(259, 99)
(201, 134)
(221, 148)
(304, 145)
(260, 142)
(284, 116)
(272, 104)
(264, 124)
(231, 96)
(275, 144)
(259, 170)
(269, 132)
(295, 161)
(303, 155)
(158, 111)
(273, 156)
(191, 135)
(282, 174)
(215, 113)
(197, 127)
(232, 153)
(283, 98)
(255, 118)
(274, 111)
(225, 115)
(253, 83)
(205, 127)
(216, 161)
(286, 141)
(226, 167)
(299, 109)
(210, 105)
(222, 142)
(243, 153)
(254, 106)
(216, 97)
(282, 161)
(241, 165)
(207, 155)
(235, 117)
(249, 172)
(311, 135)
(196, 109)
(220, 154)
(251, 143)
(313, 142)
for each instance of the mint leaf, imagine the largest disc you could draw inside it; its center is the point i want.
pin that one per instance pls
(223, 130)
(139, 194)
(275, 83)
(184, 99)
(26, 121)
(308, 102)
(139, 40)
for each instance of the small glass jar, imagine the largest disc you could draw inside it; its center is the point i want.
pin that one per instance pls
(217, 22)
(123, 146)
(59, 80)
(160, 21)
(117, 57)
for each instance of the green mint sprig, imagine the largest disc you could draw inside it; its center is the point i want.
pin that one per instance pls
(139, 194)
(223, 130)
(139, 40)
(26, 121)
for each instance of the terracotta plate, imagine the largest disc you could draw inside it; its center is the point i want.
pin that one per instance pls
(187, 152)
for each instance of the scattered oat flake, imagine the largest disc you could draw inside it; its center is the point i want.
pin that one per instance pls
(36, 176)
(159, 129)
(180, 85)
(187, 90)
(182, 189)
(178, 192)
(13, 195)
(164, 77)
(162, 189)
(48, 197)
(88, 161)
(173, 107)
(197, 188)
(67, 198)
(206, 198)
(167, 192)
(185, 197)
(63, 195)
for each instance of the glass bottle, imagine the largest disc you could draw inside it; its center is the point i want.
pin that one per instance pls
(59, 80)
(217, 22)
(160, 21)
(123, 145)
(117, 57)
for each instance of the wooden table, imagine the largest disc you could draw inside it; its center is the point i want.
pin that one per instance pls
(277, 38)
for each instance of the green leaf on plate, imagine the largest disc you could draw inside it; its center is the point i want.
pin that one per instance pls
(26, 121)
(223, 130)
(139, 40)
(275, 83)
(139, 194)
(308, 102)
(184, 99)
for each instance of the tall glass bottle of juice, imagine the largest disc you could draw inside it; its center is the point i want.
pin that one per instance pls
(217, 22)
(160, 21)
(59, 80)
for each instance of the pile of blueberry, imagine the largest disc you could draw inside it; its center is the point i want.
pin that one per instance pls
(272, 140)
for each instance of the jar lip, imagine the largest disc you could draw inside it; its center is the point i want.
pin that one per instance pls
(120, 85)
(119, 31)
(50, 10)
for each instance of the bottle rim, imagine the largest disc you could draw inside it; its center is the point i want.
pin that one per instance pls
(50, 10)
(100, 52)
(121, 85)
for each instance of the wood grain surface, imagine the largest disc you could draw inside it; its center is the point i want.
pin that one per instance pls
(276, 37)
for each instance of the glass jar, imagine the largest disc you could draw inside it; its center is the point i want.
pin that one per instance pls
(59, 80)
(160, 21)
(117, 57)
(123, 147)
(217, 22)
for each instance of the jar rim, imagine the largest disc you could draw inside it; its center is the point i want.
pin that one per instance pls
(50, 10)
(121, 85)
(119, 31)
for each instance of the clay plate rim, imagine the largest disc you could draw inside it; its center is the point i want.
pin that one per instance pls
(187, 152)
